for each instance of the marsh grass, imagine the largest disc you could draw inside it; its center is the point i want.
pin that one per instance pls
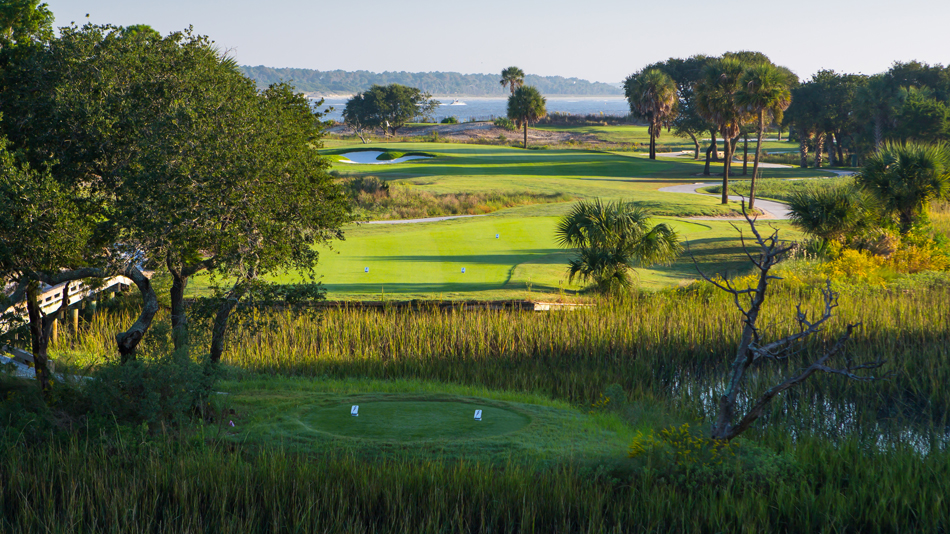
(128, 482)
(835, 455)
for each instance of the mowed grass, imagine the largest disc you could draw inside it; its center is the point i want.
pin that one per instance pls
(426, 260)
(524, 261)
(412, 418)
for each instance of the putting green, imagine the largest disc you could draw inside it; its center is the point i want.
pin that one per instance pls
(415, 420)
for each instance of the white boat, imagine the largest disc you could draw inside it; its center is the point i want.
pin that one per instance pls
(458, 103)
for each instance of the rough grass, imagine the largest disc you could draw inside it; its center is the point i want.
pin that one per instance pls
(781, 190)
(375, 200)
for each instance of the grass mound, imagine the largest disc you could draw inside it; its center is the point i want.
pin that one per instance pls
(419, 419)
(404, 420)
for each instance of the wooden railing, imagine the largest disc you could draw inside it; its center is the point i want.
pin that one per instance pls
(51, 300)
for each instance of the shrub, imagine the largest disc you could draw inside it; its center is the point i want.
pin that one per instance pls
(167, 390)
(506, 123)
(450, 120)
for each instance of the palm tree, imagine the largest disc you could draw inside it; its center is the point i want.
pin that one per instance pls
(715, 99)
(524, 106)
(906, 177)
(512, 78)
(763, 90)
(831, 213)
(652, 96)
(610, 238)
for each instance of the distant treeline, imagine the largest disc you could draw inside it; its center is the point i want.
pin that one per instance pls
(437, 83)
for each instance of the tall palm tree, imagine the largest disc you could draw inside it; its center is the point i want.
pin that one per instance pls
(652, 96)
(715, 99)
(763, 90)
(512, 78)
(526, 105)
(610, 237)
(906, 177)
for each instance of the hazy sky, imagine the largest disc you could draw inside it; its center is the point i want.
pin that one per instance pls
(598, 40)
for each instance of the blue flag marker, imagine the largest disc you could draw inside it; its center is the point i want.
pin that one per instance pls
(463, 270)
(497, 235)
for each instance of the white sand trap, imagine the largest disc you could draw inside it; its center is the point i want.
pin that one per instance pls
(368, 157)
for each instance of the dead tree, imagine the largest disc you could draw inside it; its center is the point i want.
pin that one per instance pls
(753, 349)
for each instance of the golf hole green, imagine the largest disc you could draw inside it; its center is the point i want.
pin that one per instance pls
(415, 420)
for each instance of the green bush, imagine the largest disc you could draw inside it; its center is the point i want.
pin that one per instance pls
(450, 120)
(168, 390)
(506, 123)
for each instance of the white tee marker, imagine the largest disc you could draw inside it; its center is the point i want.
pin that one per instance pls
(355, 410)
(365, 269)
(478, 415)
(497, 236)
(463, 270)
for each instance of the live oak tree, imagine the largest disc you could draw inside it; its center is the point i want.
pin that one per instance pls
(358, 114)
(45, 237)
(24, 21)
(390, 107)
(192, 167)
(526, 105)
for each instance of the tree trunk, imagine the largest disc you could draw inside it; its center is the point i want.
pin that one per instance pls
(525, 134)
(780, 133)
(819, 149)
(745, 155)
(653, 128)
(726, 165)
(41, 327)
(709, 150)
(755, 165)
(220, 328)
(832, 155)
(695, 146)
(803, 139)
(129, 340)
(841, 160)
(715, 153)
(878, 130)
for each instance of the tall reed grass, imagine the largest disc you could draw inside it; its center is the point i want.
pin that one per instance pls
(862, 457)
(134, 484)
(673, 346)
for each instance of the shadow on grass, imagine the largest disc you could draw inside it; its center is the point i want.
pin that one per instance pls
(406, 287)
(510, 258)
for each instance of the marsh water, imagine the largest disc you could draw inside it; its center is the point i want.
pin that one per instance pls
(489, 108)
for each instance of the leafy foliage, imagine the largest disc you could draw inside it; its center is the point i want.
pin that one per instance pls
(905, 178)
(526, 105)
(652, 97)
(389, 107)
(611, 237)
